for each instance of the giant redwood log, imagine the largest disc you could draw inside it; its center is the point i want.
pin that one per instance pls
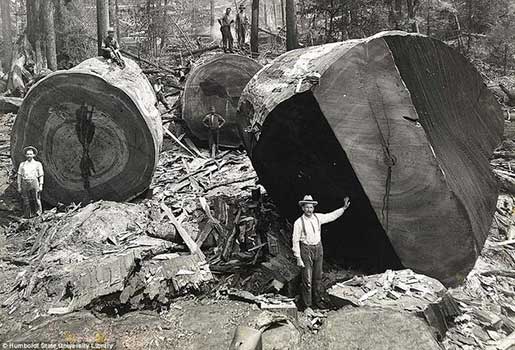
(218, 83)
(402, 124)
(97, 130)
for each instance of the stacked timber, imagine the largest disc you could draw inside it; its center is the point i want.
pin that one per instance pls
(217, 82)
(97, 130)
(401, 123)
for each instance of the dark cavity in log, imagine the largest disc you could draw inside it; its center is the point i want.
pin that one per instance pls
(299, 154)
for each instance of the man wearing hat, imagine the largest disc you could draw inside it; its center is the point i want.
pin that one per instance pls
(307, 247)
(30, 182)
(213, 122)
(111, 48)
(241, 26)
(225, 28)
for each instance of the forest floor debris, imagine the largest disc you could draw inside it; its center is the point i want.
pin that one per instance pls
(48, 261)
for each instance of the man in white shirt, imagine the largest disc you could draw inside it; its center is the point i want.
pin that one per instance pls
(307, 247)
(159, 90)
(30, 182)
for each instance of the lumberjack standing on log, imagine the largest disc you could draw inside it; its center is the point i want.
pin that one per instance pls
(225, 28)
(111, 48)
(30, 183)
(213, 122)
(241, 26)
(307, 247)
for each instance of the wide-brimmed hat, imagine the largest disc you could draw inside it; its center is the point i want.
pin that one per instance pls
(34, 149)
(308, 199)
(110, 30)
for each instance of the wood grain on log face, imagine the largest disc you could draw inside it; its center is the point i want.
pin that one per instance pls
(411, 133)
(97, 130)
(218, 83)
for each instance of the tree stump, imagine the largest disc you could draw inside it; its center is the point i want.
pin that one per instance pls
(401, 123)
(97, 131)
(218, 82)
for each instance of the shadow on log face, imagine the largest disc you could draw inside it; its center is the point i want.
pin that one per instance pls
(297, 143)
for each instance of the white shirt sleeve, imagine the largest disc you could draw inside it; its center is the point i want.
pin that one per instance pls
(330, 217)
(19, 175)
(40, 170)
(296, 238)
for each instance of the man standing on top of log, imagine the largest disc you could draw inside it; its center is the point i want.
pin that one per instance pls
(111, 48)
(225, 28)
(242, 22)
(307, 247)
(213, 122)
(30, 182)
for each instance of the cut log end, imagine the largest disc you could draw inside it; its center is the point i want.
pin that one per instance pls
(97, 131)
(393, 122)
(217, 83)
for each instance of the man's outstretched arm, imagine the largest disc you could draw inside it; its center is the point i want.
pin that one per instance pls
(330, 217)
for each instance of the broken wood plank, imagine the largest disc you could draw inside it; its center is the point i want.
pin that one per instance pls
(503, 243)
(167, 132)
(504, 273)
(194, 148)
(190, 243)
(227, 251)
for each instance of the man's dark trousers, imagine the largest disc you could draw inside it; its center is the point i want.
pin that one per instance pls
(312, 257)
(227, 39)
(213, 138)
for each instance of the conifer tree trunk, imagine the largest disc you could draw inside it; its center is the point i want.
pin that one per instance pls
(48, 29)
(7, 30)
(291, 26)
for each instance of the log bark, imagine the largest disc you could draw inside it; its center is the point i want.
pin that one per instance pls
(97, 130)
(402, 124)
(217, 82)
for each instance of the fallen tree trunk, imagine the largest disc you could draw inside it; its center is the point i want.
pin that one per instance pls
(97, 129)
(217, 83)
(402, 124)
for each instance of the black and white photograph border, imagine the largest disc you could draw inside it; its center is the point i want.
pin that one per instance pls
(257, 174)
